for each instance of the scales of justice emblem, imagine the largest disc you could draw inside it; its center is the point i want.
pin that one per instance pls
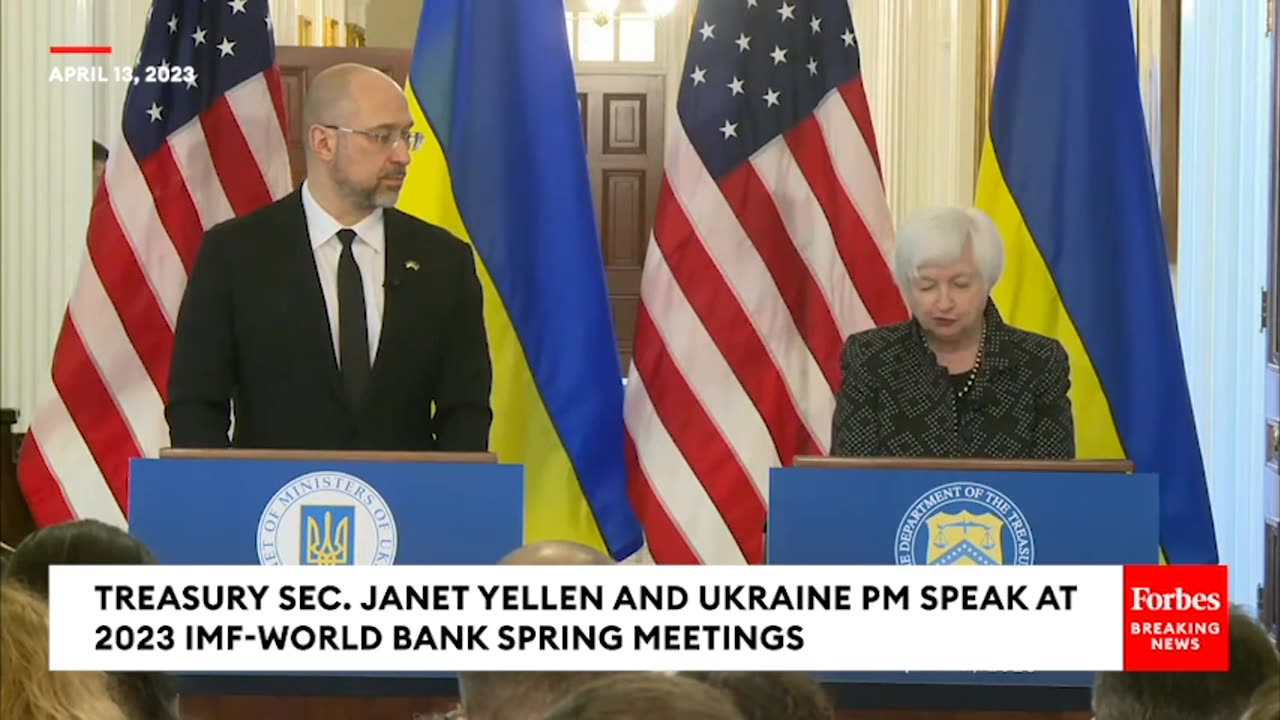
(964, 523)
(965, 539)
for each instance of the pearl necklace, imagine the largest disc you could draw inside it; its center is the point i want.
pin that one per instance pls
(973, 375)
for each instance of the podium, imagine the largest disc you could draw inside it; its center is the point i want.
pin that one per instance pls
(250, 507)
(902, 511)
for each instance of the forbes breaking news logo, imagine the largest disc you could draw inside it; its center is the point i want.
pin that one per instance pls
(1176, 617)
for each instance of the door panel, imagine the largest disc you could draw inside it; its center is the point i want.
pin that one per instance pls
(623, 122)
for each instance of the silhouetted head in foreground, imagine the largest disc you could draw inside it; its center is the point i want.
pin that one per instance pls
(556, 552)
(770, 695)
(82, 542)
(645, 696)
(147, 696)
(529, 695)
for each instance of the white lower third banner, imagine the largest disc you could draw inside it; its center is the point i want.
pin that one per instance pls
(509, 618)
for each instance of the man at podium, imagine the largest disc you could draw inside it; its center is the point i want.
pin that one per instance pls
(329, 319)
(955, 380)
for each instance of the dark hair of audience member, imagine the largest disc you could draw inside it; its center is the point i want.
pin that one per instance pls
(644, 696)
(1193, 695)
(1266, 702)
(81, 542)
(149, 696)
(770, 695)
(28, 689)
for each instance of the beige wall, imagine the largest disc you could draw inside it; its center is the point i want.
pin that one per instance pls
(46, 133)
(392, 23)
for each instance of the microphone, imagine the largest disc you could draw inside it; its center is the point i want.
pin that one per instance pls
(392, 281)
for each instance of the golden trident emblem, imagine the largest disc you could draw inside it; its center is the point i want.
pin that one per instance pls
(330, 546)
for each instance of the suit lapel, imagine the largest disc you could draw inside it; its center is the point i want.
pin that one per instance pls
(301, 279)
(397, 293)
(922, 396)
(996, 364)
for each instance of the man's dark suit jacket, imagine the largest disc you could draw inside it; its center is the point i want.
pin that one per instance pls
(897, 401)
(253, 330)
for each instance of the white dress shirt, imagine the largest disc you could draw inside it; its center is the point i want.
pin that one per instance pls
(369, 248)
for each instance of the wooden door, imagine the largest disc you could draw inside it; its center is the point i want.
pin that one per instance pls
(15, 517)
(623, 120)
(298, 65)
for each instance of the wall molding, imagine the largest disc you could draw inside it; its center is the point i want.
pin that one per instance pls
(46, 178)
(924, 79)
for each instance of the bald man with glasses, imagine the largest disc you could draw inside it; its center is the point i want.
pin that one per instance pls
(329, 320)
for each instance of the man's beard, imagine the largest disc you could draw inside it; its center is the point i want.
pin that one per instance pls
(367, 197)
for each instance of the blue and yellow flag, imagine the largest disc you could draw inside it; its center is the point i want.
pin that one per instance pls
(505, 168)
(1066, 174)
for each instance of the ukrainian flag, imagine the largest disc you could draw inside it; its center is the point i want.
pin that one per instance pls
(505, 168)
(1066, 173)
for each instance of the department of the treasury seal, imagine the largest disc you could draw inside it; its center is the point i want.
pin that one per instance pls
(964, 523)
(327, 518)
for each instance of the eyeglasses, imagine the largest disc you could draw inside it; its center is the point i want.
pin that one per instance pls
(387, 139)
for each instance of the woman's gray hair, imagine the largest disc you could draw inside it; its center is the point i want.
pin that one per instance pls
(937, 236)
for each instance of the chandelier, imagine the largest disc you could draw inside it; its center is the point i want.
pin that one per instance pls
(602, 10)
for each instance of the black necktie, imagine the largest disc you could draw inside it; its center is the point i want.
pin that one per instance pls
(353, 330)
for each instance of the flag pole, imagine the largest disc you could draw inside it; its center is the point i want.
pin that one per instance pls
(991, 15)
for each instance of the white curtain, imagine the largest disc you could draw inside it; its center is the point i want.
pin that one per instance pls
(1224, 148)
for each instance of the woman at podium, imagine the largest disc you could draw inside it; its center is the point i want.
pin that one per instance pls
(955, 380)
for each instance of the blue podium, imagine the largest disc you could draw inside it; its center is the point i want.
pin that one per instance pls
(898, 511)
(249, 507)
(284, 507)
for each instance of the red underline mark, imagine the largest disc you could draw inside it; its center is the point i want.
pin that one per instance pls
(80, 49)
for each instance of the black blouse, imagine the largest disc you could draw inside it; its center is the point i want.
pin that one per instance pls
(897, 401)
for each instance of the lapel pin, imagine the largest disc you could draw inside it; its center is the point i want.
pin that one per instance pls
(411, 264)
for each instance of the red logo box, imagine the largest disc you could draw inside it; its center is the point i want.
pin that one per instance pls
(1176, 618)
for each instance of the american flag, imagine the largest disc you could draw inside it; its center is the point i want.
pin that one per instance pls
(203, 141)
(770, 246)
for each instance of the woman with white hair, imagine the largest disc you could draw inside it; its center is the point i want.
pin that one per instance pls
(955, 380)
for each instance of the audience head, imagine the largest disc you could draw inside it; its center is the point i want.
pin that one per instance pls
(1193, 695)
(82, 542)
(529, 695)
(28, 689)
(641, 696)
(556, 552)
(947, 260)
(1266, 702)
(149, 696)
(519, 695)
(770, 695)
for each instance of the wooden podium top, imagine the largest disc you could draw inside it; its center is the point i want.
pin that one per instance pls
(329, 455)
(900, 463)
